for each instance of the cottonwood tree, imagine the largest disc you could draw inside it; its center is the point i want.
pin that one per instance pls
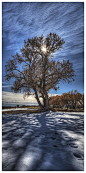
(39, 72)
(66, 100)
(76, 98)
(72, 99)
(56, 101)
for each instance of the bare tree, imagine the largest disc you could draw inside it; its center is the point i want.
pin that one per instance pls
(56, 101)
(39, 72)
(72, 99)
(76, 98)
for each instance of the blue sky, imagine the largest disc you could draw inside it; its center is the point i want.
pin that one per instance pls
(23, 20)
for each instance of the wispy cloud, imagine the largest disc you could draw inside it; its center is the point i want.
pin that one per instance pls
(21, 21)
(10, 98)
(5, 86)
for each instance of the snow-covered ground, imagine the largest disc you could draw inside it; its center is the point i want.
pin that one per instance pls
(49, 141)
(15, 109)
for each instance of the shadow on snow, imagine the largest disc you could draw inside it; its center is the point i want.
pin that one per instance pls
(42, 141)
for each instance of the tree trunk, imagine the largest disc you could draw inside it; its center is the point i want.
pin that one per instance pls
(67, 107)
(46, 101)
(47, 105)
(37, 98)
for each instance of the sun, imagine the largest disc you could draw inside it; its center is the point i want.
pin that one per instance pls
(44, 49)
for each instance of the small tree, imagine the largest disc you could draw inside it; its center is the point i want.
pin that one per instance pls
(56, 101)
(81, 99)
(76, 98)
(66, 99)
(39, 72)
(72, 99)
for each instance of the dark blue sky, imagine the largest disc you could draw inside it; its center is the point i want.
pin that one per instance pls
(21, 21)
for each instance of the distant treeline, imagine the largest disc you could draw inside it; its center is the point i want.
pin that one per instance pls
(70, 100)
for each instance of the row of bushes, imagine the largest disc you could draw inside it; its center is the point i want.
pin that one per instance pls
(70, 100)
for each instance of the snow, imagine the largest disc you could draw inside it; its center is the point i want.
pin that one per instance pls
(48, 141)
(15, 109)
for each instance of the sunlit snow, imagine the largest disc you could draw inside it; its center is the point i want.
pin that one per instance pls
(15, 109)
(48, 141)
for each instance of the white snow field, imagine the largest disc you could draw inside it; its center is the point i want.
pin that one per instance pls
(47, 141)
(16, 109)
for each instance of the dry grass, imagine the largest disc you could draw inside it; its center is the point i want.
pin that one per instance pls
(22, 111)
(36, 109)
(65, 110)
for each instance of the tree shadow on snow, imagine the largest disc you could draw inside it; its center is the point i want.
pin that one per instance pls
(42, 141)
